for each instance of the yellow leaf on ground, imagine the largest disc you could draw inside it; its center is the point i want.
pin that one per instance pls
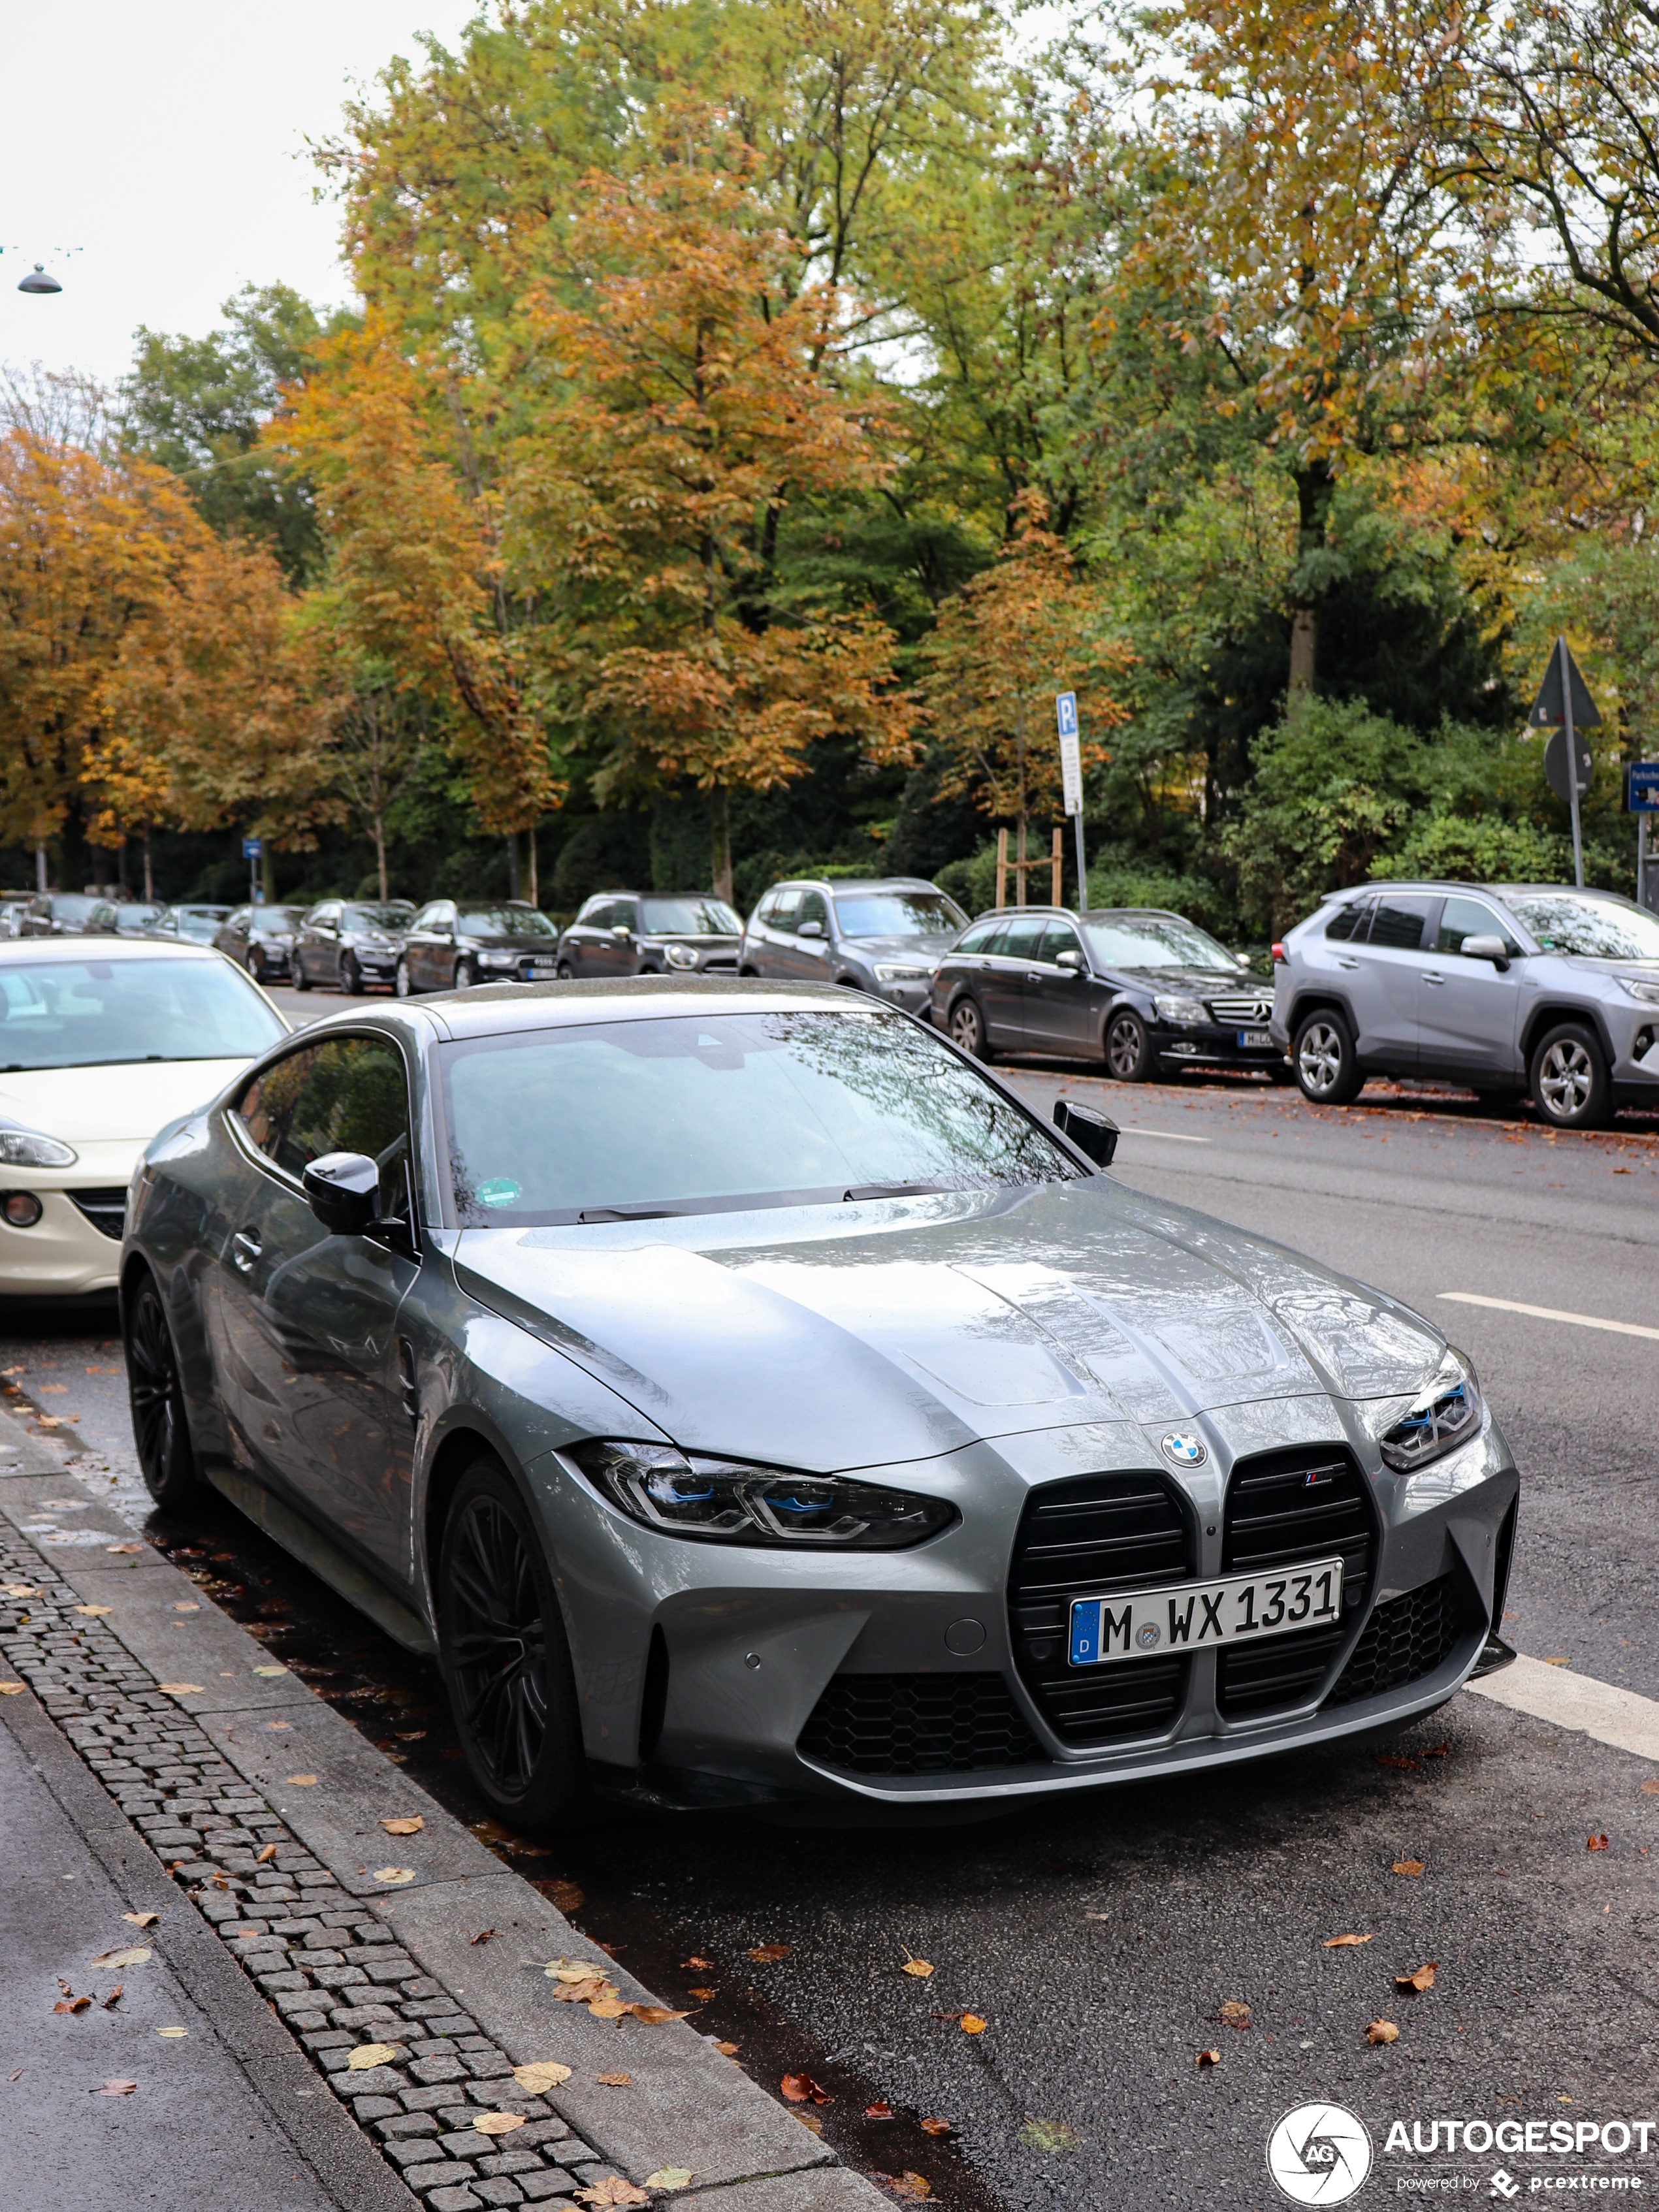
(1381, 2031)
(653, 2016)
(186, 1605)
(615, 2080)
(173, 2033)
(94, 1610)
(141, 1919)
(611, 2188)
(1408, 1866)
(608, 2009)
(920, 1967)
(270, 1673)
(1337, 1942)
(668, 2177)
(369, 2054)
(1209, 2059)
(180, 1689)
(117, 2088)
(394, 1877)
(408, 1824)
(135, 1955)
(765, 1953)
(19, 1589)
(728, 2049)
(302, 1781)
(1650, 1787)
(1235, 2013)
(1597, 1843)
(540, 2074)
(264, 1857)
(912, 2187)
(123, 1547)
(1422, 1979)
(972, 2024)
(498, 2124)
(562, 1970)
(11, 1689)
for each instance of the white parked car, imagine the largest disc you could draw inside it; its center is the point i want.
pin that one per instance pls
(103, 1041)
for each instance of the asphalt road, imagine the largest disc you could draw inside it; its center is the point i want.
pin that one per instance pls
(1100, 1941)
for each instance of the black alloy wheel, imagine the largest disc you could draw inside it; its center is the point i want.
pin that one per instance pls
(1570, 1084)
(401, 983)
(301, 980)
(566, 973)
(1129, 1055)
(157, 1399)
(466, 975)
(502, 1647)
(967, 1030)
(1326, 1066)
(256, 966)
(351, 975)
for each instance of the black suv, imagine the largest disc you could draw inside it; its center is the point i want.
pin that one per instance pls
(1147, 991)
(351, 942)
(451, 945)
(651, 933)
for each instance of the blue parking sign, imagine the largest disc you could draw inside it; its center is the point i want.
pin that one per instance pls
(1645, 787)
(1065, 713)
(253, 848)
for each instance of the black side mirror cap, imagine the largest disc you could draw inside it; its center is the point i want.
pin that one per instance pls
(1093, 1133)
(342, 1189)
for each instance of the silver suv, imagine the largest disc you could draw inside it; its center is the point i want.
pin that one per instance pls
(1506, 988)
(885, 936)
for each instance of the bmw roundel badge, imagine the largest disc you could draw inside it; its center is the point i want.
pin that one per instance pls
(1182, 1449)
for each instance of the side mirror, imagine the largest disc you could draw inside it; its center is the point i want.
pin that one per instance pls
(1073, 961)
(1092, 1133)
(622, 933)
(1486, 948)
(1243, 958)
(344, 1191)
(810, 929)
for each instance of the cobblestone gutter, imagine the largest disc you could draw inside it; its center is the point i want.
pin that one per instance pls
(328, 1962)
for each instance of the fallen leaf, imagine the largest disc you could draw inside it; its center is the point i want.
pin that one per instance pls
(1560, 1659)
(94, 1610)
(135, 1955)
(878, 2112)
(186, 1605)
(410, 1824)
(653, 2015)
(71, 2004)
(911, 2186)
(971, 2023)
(123, 1547)
(1381, 2031)
(812, 2123)
(611, 2188)
(484, 1935)
(1422, 1979)
(275, 1728)
(180, 1689)
(269, 1673)
(918, 1968)
(1408, 1866)
(704, 1963)
(615, 2080)
(172, 2034)
(1436, 1751)
(498, 2124)
(11, 1689)
(934, 2127)
(668, 2177)
(565, 1969)
(1050, 2134)
(369, 2054)
(1209, 2059)
(611, 2007)
(264, 1857)
(765, 1953)
(1396, 1759)
(1649, 1788)
(1339, 1942)
(394, 1877)
(562, 1896)
(20, 1589)
(1597, 1843)
(730, 2049)
(302, 1781)
(702, 1996)
(114, 1997)
(116, 2089)
(802, 2089)
(1235, 2013)
(141, 1919)
(540, 2073)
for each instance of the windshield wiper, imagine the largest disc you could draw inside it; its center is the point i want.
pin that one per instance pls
(863, 1190)
(628, 1213)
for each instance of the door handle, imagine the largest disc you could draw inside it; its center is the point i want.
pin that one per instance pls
(1032, 977)
(245, 1247)
(409, 1379)
(1429, 978)
(1341, 963)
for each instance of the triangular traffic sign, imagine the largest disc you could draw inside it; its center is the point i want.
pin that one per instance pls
(1547, 709)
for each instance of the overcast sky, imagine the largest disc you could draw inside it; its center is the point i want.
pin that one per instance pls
(153, 157)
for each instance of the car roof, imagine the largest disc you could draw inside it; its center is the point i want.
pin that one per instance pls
(837, 883)
(20, 950)
(492, 1008)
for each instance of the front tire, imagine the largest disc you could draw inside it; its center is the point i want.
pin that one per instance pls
(466, 975)
(257, 968)
(506, 1663)
(301, 980)
(400, 984)
(1129, 1055)
(967, 1030)
(1570, 1084)
(1326, 1066)
(565, 973)
(351, 976)
(157, 1396)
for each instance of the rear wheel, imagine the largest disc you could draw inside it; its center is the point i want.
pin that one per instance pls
(505, 1663)
(567, 973)
(466, 975)
(400, 983)
(157, 1398)
(1571, 1085)
(257, 968)
(1326, 1066)
(301, 980)
(351, 976)
(968, 1029)
(1129, 1055)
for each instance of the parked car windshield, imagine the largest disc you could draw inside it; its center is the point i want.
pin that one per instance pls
(506, 921)
(690, 1112)
(199, 923)
(278, 921)
(132, 916)
(72, 906)
(99, 1013)
(395, 916)
(688, 917)
(897, 913)
(1564, 921)
(1153, 940)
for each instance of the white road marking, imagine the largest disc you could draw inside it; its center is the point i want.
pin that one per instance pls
(1175, 1136)
(1550, 1313)
(1619, 1717)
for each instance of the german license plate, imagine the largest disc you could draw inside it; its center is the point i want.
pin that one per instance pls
(1194, 1616)
(541, 967)
(1256, 1036)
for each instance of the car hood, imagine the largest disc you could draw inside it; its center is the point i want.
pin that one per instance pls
(1208, 982)
(548, 944)
(125, 1104)
(852, 1336)
(932, 947)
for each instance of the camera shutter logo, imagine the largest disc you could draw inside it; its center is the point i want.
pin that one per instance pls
(1319, 2154)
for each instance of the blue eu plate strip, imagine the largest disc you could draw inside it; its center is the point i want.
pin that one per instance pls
(1085, 1631)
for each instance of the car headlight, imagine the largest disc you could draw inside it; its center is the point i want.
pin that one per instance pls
(1186, 1013)
(679, 956)
(892, 971)
(694, 1496)
(498, 959)
(1446, 1415)
(30, 1148)
(1639, 987)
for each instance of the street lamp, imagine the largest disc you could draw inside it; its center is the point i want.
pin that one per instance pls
(38, 281)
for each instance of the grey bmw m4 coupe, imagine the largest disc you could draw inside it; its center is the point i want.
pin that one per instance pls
(752, 1402)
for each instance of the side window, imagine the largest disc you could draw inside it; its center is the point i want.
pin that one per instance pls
(240, 918)
(1024, 937)
(588, 915)
(625, 914)
(351, 1095)
(599, 914)
(784, 910)
(813, 908)
(1059, 937)
(1467, 917)
(978, 938)
(1348, 925)
(1397, 923)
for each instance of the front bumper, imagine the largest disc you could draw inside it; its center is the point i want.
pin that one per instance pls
(776, 1674)
(1213, 1045)
(915, 996)
(64, 1254)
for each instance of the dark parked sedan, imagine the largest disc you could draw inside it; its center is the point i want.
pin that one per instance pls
(748, 1399)
(122, 918)
(350, 944)
(1147, 991)
(190, 924)
(261, 940)
(451, 945)
(58, 914)
(651, 933)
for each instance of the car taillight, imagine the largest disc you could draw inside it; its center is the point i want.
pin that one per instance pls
(1278, 953)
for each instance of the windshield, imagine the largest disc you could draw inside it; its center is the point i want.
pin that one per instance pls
(691, 1113)
(688, 917)
(1564, 921)
(278, 920)
(94, 1013)
(506, 921)
(395, 916)
(1153, 940)
(135, 917)
(199, 922)
(897, 913)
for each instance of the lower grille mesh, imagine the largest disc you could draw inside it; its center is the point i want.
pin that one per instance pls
(104, 1209)
(917, 1725)
(1404, 1640)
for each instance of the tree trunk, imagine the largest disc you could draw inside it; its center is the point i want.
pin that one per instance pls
(720, 842)
(513, 864)
(1314, 486)
(41, 863)
(535, 886)
(150, 878)
(268, 873)
(379, 826)
(1019, 870)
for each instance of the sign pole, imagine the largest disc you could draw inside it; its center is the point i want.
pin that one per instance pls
(1641, 860)
(1572, 764)
(1071, 773)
